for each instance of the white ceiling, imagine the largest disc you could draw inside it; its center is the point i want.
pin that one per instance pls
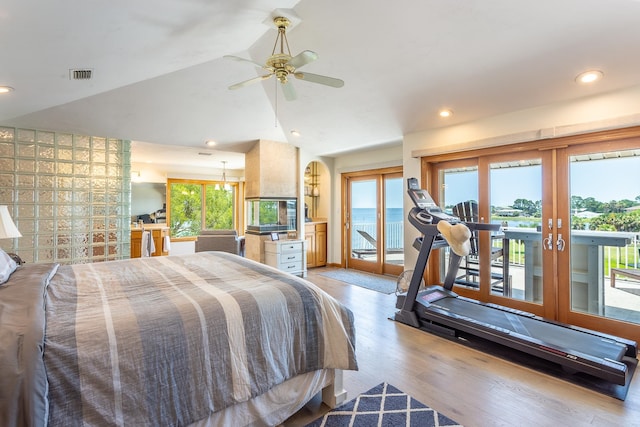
(160, 76)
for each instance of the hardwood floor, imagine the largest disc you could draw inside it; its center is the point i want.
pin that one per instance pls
(471, 387)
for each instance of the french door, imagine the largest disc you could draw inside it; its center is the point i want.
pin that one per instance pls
(569, 217)
(374, 221)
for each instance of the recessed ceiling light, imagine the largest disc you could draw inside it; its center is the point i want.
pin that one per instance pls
(295, 132)
(589, 76)
(210, 142)
(445, 113)
(6, 89)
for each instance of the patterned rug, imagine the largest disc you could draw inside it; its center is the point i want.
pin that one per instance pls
(383, 405)
(375, 282)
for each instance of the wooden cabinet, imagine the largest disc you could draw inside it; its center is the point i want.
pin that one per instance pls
(160, 235)
(315, 234)
(136, 242)
(286, 255)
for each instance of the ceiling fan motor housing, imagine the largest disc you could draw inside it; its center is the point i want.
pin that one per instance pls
(280, 65)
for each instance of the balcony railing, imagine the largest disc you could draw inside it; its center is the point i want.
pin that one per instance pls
(394, 233)
(614, 256)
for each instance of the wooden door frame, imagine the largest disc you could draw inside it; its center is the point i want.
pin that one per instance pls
(587, 320)
(378, 267)
(560, 149)
(483, 163)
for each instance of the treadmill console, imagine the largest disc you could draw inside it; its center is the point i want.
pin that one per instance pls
(423, 201)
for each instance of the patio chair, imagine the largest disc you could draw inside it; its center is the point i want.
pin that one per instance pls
(468, 212)
(373, 242)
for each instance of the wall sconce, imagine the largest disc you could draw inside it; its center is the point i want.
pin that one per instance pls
(316, 191)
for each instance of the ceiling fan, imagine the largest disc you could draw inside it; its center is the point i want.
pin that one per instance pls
(282, 65)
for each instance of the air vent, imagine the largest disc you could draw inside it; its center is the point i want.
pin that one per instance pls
(205, 154)
(80, 74)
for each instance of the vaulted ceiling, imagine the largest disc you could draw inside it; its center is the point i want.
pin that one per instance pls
(159, 76)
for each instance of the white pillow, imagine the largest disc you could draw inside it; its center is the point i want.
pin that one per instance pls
(7, 266)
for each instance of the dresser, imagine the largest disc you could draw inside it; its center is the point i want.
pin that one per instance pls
(287, 255)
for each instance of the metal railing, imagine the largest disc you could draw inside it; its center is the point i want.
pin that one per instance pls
(614, 256)
(394, 232)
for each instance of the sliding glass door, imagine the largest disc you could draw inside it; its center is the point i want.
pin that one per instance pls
(568, 218)
(374, 221)
(506, 259)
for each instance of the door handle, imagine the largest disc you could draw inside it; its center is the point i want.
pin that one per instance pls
(560, 243)
(548, 242)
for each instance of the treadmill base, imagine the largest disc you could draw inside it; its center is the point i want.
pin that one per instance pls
(546, 367)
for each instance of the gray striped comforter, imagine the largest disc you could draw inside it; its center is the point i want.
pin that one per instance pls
(169, 340)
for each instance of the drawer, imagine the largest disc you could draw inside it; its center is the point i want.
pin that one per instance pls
(290, 256)
(290, 247)
(291, 267)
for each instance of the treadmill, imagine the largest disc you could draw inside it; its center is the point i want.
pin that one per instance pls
(439, 310)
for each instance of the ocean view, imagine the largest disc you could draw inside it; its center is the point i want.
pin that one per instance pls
(368, 215)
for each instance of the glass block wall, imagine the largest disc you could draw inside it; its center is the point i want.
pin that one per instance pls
(69, 195)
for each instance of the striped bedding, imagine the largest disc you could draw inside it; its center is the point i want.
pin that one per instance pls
(169, 340)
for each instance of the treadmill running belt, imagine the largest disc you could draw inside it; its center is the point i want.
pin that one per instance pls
(561, 338)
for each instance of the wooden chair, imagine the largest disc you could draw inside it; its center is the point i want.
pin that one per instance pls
(468, 212)
(373, 242)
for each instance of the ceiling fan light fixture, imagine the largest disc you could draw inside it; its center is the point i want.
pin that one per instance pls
(282, 65)
(445, 113)
(590, 76)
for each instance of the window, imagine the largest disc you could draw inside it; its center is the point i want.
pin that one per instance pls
(197, 205)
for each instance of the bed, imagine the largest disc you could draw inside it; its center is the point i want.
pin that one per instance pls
(202, 339)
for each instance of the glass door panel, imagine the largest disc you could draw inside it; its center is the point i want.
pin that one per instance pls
(363, 231)
(516, 204)
(393, 220)
(605, 222)
(459, 185)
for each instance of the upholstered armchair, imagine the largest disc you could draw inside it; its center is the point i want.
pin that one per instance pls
(220, 240)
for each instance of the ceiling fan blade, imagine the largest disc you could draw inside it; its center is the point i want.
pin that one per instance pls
(316, 78)
(250, 81)
(303, 58)
(239, 59)
(289, 91)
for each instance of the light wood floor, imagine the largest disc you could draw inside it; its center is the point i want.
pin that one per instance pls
(466, 385)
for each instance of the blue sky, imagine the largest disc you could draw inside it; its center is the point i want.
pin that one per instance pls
(364, 194)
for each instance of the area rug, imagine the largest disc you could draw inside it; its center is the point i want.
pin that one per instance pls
(364, 280)
(383, 405)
